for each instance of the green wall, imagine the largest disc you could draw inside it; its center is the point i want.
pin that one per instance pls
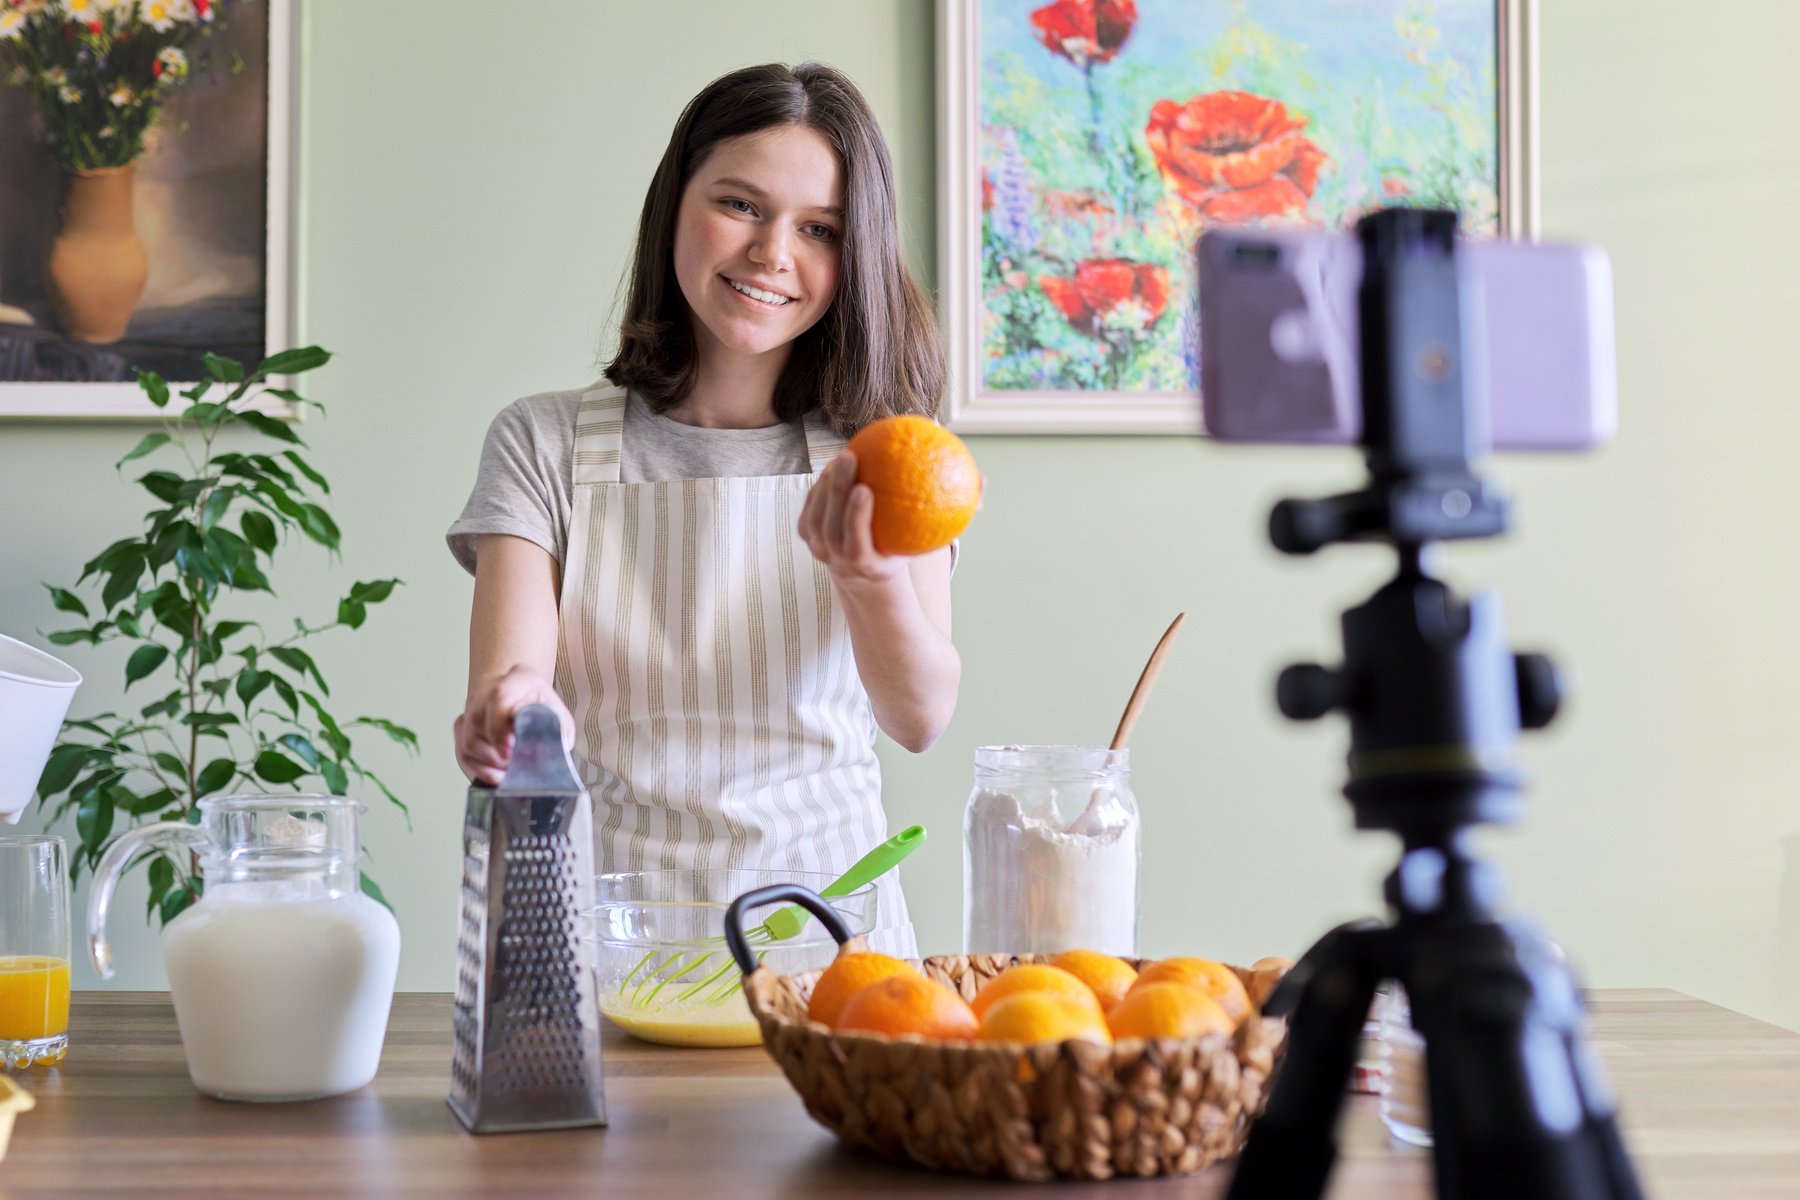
(468, 185)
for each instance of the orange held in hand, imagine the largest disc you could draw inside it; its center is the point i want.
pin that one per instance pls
(1212, 978)
(846, 976)
(1034, 977)
(1168, 1010)
(1109, 978)
(909, 1003)
(1043, 1017)
(925, 483)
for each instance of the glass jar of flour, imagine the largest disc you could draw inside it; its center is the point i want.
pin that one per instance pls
(1050, 852)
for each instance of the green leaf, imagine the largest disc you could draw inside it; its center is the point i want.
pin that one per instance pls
(335, 779)
(250, 683)
(302, 466)
(94, 819)
(172, 608)
(66, 601)
(334, 736)
(154, 387)
(121, 583)
(168, 706)
(65, 762)
(373, 891)
(292, 397)
(216, 504)
(129, 626)
(167, 540)
(149, 802)
(164, 485)
(178, 901)
(301, 662)
(302, 748)
(169, 763)
(399, 733)
(374, 591)
(351, 613)
(225, 370)
(293, 362)
(162, 877)
(259, 531)
(317, 524)
(284, 503)
(285, 690)
(151, 441)
(388, 792)
(225, 629)
(215, 776)
(144, 660)
(268, 426)
(69, 637)
(272, 767)
(210, 720)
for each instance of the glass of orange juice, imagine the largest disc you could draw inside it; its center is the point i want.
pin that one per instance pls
(34, 950)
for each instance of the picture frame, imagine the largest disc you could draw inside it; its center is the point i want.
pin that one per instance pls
(248, 261)
(1035, 99)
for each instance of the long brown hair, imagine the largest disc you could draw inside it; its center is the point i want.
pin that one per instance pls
(875, 352)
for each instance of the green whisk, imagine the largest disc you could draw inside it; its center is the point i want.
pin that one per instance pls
(711, 982)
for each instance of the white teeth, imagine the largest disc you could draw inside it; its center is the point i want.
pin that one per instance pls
(756, 293)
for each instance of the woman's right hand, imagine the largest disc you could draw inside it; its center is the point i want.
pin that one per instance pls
(484, 731)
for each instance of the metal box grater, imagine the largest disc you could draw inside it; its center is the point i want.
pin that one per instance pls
(527, 1007)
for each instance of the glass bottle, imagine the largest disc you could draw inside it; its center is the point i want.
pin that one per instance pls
(283, 971)
(1050, 852)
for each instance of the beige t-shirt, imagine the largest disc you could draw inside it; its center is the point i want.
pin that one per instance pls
(524, 483)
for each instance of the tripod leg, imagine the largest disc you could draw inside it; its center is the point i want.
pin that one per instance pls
(1291, 1147)
(1518, 1107)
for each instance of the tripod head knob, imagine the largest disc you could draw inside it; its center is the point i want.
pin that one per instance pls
(1307, 691)
(1540, 690)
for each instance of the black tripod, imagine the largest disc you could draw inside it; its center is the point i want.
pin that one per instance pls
(1436, 699)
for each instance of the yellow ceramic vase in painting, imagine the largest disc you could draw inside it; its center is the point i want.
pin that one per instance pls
(97, 265)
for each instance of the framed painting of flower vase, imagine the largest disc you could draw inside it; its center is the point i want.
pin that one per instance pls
(145, 196)
(1084, 145)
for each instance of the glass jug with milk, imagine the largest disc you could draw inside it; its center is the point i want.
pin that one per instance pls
(283, 971)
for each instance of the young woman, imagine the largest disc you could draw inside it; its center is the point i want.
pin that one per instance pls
(679, 560)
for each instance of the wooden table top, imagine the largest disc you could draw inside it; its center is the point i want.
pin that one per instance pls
(1711, 1109)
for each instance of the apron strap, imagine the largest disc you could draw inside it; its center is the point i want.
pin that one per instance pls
(599, 430)
(822, 444)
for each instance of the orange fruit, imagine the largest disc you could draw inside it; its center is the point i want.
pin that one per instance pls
(925, 482)
(1043, 1017)
(909, 1003)
(847, 975)
(1168, 1010)
(1109, 978)
(1034, 977)
(1214, 979)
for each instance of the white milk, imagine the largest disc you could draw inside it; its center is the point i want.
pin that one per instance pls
(281, 990)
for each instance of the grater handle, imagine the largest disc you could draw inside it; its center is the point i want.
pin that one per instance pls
(540, 762)
(779, 893)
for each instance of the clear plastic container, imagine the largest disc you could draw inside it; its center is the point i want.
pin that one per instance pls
(1050, 852)
(1405, 1104)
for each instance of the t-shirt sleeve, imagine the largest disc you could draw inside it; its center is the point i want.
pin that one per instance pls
(522, 483)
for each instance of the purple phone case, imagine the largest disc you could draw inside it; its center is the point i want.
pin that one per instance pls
(1279, 355)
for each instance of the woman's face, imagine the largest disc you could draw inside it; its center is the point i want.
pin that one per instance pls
(759, 241)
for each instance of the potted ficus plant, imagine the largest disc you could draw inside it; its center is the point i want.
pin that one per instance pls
(235, 704)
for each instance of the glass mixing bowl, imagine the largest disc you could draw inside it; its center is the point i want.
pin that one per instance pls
(664, 972)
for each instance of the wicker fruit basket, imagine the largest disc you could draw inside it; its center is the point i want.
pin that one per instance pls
(1071, 1110)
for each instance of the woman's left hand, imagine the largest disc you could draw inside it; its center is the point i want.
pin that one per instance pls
(836, 524)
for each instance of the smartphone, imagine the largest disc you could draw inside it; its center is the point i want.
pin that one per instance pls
(1279, 346)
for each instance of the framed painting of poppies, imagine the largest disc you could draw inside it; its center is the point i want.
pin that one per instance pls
(1085, 144)
(145, 196)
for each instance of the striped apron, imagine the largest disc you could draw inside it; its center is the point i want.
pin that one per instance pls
(720, 720)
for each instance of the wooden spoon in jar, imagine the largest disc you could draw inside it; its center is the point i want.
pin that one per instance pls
(1090, 821)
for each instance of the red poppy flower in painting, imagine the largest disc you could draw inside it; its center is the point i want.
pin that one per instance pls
(1085, 31)
(1110, 294)
(1233, 155)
